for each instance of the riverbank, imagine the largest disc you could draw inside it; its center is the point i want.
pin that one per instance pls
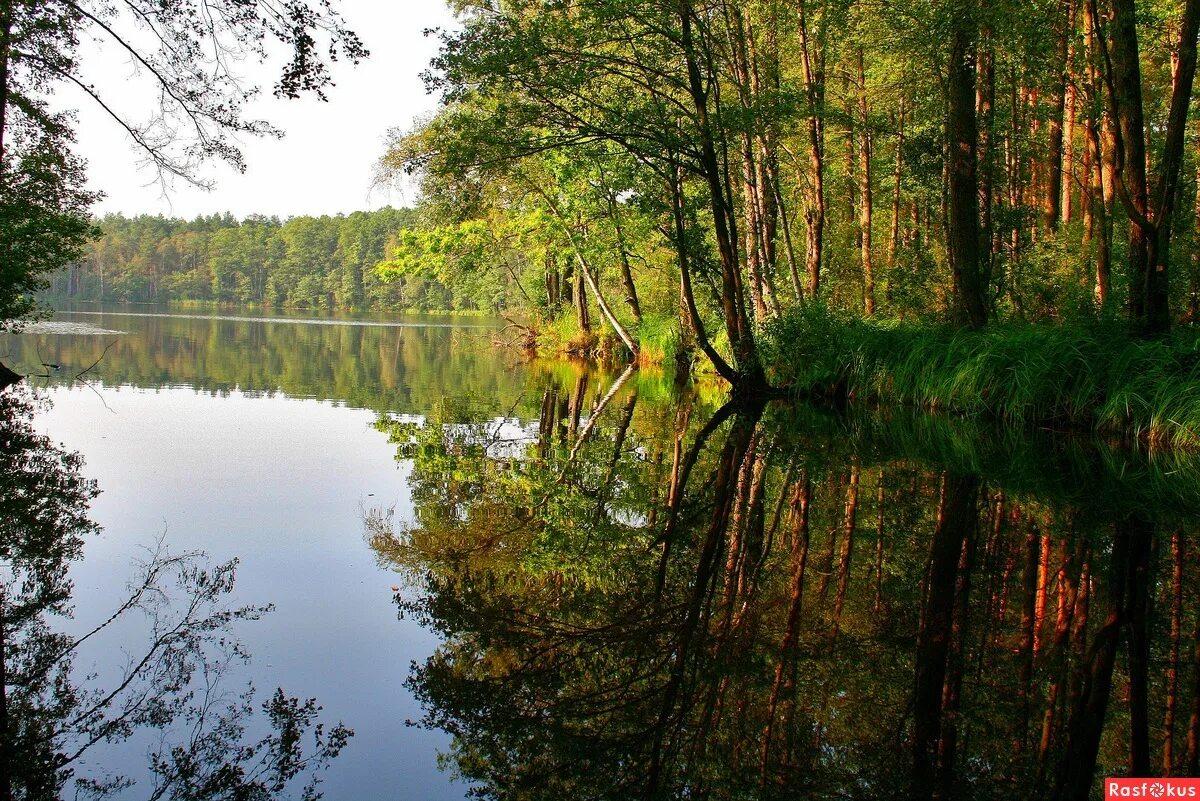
(1077, 376)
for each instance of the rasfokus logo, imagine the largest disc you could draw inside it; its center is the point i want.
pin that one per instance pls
(1151, 788)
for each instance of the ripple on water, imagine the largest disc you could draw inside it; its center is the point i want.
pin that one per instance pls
(66, 327)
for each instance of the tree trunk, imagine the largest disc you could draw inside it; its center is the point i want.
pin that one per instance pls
(963, 200)
(1052, 199)
(1072, 107)
(750, 376)
(897, 175)
(985, 110)
(864, 192)
(812, 60)
(1125, 97)
(686, 294)
(1170, 167)
(631, 296)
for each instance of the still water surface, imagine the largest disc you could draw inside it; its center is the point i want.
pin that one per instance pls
(611, 588)
(249, 438)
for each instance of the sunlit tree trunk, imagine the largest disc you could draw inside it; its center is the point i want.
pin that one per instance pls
(897, 176)
(812, 59)
(1069, 123)
(865, 193)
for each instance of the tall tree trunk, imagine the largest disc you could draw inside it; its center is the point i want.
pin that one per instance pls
(1125, 97)
(750, 376)
(985, 110)
(1052, 199)
(1166, 192)
(1098, 194)
(963, 200)
(897, 176)
(812, 59)
(864, 192)
(686, 293)
(1072, 110)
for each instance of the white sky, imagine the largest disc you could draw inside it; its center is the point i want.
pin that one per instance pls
(324, 164)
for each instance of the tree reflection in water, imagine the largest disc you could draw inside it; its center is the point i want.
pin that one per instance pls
(168, 695)
(639, 601)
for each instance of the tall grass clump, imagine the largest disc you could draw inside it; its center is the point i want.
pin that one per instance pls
(1088, 374)
(659, 339)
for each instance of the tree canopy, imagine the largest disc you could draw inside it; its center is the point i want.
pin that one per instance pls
(714, 166)
(188, 51)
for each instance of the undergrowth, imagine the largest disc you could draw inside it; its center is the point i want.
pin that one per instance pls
(1088, 374)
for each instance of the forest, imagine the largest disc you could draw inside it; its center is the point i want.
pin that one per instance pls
(744, 187)
(732, 180)
(303, 262)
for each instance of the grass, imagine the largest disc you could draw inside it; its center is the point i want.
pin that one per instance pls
(1083, 375)
(659, 340)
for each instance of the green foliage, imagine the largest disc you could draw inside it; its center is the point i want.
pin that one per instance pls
(43, 216)
(304, 262)
(1078, 375)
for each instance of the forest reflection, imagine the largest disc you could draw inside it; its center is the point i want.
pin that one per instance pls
(395, 367)
(642, 600)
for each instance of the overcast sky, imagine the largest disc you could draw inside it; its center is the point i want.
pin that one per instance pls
(324, 164)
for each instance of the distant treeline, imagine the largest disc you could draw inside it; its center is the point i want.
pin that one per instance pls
(306, 262)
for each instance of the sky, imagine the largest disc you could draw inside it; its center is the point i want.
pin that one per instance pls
(326, 162)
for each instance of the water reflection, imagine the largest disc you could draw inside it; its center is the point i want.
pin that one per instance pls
(166, 695)
(651, 601)
(402, 367)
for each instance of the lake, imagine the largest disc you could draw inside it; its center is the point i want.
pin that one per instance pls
(593, 584)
